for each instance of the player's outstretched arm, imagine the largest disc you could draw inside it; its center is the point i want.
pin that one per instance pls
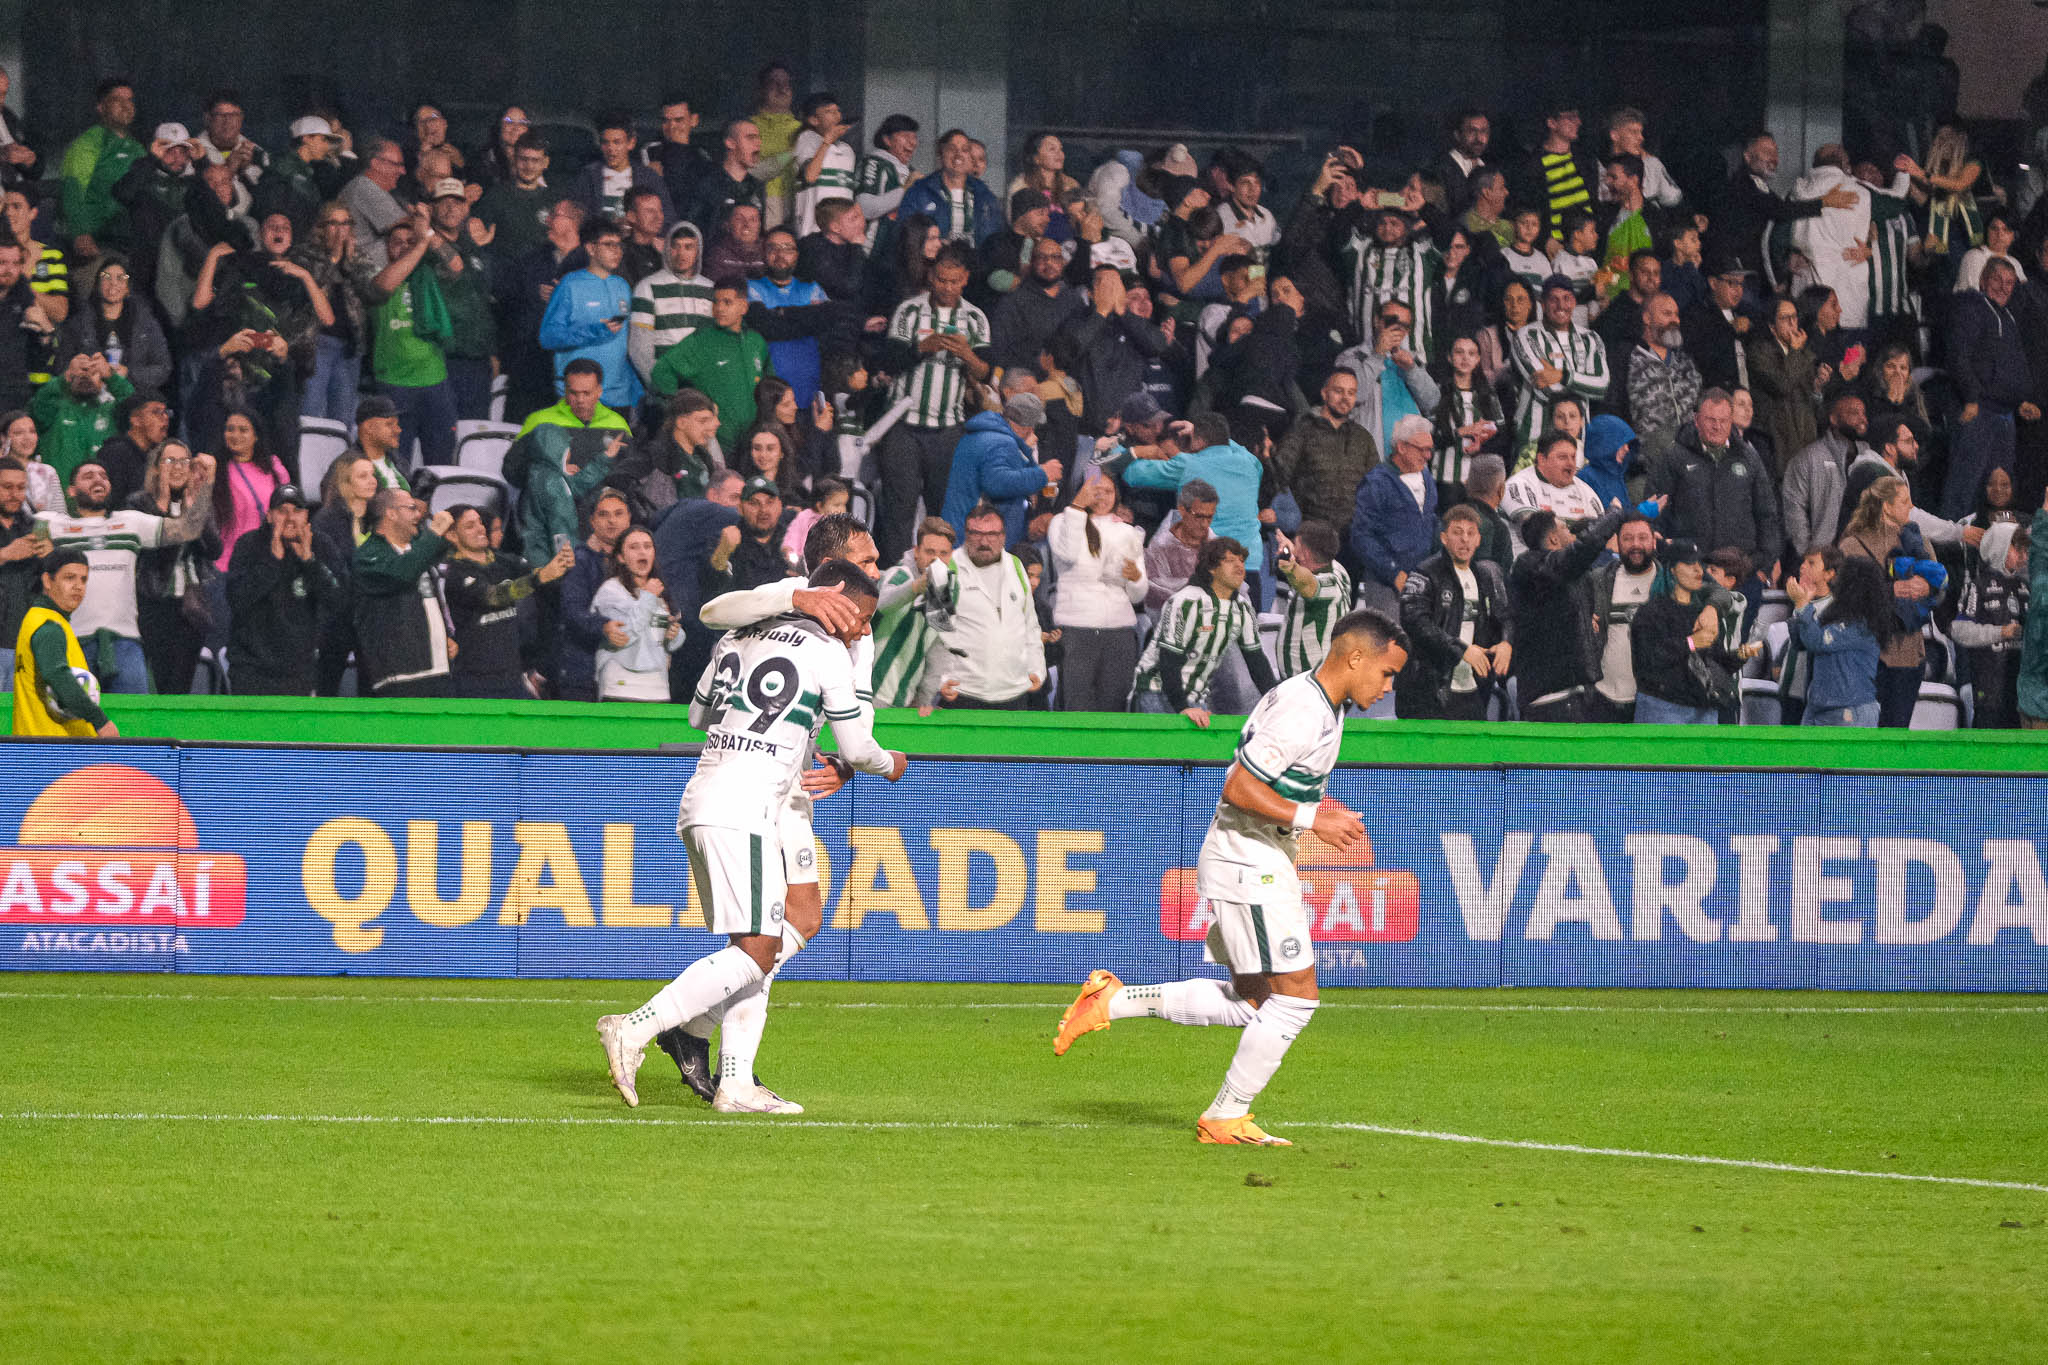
(731, 610)
(1332, 823)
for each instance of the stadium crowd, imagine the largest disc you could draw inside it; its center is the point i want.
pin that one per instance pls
(1129, 435)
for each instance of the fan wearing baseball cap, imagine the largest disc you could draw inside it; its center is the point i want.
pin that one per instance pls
(997, 460)
(304, 178)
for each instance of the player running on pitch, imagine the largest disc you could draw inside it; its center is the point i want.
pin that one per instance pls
(767, 689)
(741, 1025)
(1271, 797)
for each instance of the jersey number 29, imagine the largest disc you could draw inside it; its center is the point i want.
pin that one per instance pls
(769, 690)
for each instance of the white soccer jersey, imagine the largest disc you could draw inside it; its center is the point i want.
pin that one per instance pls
(110, 542)
(1290, 743)
(760, 703)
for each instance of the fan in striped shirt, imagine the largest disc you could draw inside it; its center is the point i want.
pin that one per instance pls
(1555, 357)
(883, 176)
(1321, 593)
(903, 637)
(669, 304)
(1198, 625)
(824, 162)
(1392, 266)
(942, 336)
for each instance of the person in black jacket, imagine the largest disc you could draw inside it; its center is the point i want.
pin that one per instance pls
(276, 586)
(401, 621)
(1106, 349)
(1551, 597)
(1747, 204)
(1718, 488)
(1455, 610)
(1683, 676)
(488, 593)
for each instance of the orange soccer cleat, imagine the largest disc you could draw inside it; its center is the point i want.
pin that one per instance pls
(1242, 1132)
(1089, 1012)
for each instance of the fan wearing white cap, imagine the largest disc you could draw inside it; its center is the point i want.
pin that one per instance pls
(307, 176)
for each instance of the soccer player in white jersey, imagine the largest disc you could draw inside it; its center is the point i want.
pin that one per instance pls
(1272, 795)
(740, 1027)
(764, 694)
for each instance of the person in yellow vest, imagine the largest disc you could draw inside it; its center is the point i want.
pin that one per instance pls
(54, 692)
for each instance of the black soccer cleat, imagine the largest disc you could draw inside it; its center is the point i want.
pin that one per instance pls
(692, 1056)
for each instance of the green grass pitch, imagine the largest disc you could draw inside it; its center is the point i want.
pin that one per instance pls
(201, 1169)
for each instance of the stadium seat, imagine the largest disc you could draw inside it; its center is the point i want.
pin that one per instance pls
(500, 386)
(1939, 708)
(1269, 637)
(1774, 608)
(861, 503)
(1760, 704)
(446, 485)
(482, 445)
(321, 442)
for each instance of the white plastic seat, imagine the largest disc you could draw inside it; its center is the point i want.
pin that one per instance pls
(500, 386)
(1760, 703)
(483, 446)
(448, 485)
(321, 442)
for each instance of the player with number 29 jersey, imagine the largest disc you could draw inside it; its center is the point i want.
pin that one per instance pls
(760, 703)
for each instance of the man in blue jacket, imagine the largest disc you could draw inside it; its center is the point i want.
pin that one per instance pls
(1393, 524)
(995, 460)
(965, 209)
(586, 316)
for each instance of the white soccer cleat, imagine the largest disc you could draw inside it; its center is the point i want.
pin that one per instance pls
(624, 1061)
(752, 1099)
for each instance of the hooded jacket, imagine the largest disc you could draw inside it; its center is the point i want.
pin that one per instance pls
(1610, 458)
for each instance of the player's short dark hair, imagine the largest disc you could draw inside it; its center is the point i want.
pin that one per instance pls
(954, 253)
(619, 119)
(780, 230)
(582, 365)
(1536, 528)
(1631, 165)
(9, 464)
(635, 195)
(687, 401)
(730, 284)
(1320, 539)
(1632, 516)
(1641, 254)
(1554, 437)
(109, 86)
(1373, 625)
(530, 141)
(598, 226)
(815, 101)
(828, 537)
(849, 578)
(1210, 429)
(57, 559)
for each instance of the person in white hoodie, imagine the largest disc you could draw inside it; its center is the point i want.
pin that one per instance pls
(1100, 567)
(634, 600)
(989, 653)
(1836, 242)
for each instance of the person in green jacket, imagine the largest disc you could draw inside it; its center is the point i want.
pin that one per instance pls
(561, 456)
(74, 412)
(95, 160)
(723, 361)
(402, 629)
(2033, 689)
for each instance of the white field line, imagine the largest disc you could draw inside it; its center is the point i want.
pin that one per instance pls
(585, 1121)
(1391, 1007)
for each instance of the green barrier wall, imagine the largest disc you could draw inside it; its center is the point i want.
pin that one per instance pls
(558, 725)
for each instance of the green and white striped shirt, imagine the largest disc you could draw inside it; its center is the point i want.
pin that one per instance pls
(666, 308)
(1401, 273)
(1579, 355)
(902, 637)
(937, 385)
(835, 179)
(1202, 626)
(1894, 227)
(1305, 633)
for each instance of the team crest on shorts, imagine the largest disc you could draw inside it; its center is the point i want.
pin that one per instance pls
(1290, 947)
(775, 913)
(805, 857)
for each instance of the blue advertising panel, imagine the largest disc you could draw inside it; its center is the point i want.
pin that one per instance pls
(386, 862)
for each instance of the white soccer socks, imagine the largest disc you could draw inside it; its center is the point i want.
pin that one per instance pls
(709, 981)
(1259, 1054)
(746, 1018)
(1202, 1002)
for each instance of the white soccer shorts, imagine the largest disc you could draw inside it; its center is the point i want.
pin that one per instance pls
(1267, 934)
(799, 844)
(739, 879)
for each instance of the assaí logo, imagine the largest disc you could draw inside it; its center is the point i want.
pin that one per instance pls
(1348, 899)
(109, 861)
